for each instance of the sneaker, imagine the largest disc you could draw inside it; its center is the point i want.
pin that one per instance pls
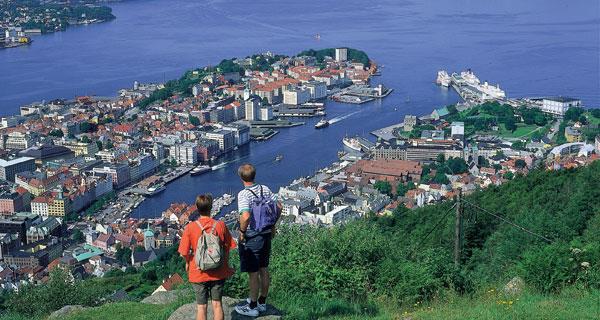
(246, 310)
(260, 307)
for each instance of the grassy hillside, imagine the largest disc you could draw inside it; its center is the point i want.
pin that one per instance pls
(384, 267)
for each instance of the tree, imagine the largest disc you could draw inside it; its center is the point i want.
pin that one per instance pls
(595, 113)
(441, 178)
(383, 187)
(86, 139)
(520, 163)
(508, 175)
(56, 133)
(99, 144)
(440, 158)
(573, 113)
(402, 188)
(265, 101)
(483, 161)
(510, 125)
(78, 235)
(109, 145)
(195, 121)
(457, 165)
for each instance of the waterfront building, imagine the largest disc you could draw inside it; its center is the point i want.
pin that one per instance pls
(8, 169)
(184, 153)
(119, 173)
(317, 90)
(341, 54)
(207, 149)
(252, 106)
(295, 95)
(225, 138)
(142, 166)
(266, 113)
(241, 132)
(557, 106)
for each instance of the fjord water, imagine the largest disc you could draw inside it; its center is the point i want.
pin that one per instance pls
(531, 48)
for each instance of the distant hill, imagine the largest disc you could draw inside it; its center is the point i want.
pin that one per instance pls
(383, 267)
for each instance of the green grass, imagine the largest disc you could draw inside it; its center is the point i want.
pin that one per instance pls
(128, 311)
(492, 304)
(592, 119)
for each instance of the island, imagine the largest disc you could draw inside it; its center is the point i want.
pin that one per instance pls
(23, 18)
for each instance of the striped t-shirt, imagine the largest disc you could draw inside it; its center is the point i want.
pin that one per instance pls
(245, 197)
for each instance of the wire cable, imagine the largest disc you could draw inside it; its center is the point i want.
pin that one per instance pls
(497, 216)
(432, 229)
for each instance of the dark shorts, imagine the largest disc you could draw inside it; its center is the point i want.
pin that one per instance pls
(255, 253)
(203, 290)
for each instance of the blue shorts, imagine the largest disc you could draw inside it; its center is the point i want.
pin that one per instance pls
(255, 252)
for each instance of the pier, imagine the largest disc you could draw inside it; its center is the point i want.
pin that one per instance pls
(360, 93)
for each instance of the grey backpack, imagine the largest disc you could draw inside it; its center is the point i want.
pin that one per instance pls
(209, 250)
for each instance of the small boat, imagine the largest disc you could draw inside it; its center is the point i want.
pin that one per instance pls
(323, 123)
(318, 36)
(278, 158)
(200, 170)
(352, 143)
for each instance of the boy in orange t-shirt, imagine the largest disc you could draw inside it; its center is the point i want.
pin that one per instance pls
(206, 283)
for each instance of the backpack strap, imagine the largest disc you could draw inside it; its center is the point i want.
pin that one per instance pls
(212, 230)
(200, 225)
(254, 193)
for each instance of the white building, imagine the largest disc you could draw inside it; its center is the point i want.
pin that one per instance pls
(18, 140)
(341, 54)
(558, 106)
(317, 90)
(184, 153)
(338, 215)
(296, 96)
(458, 129)
(252, 108)
(266, 113)
(225, 138)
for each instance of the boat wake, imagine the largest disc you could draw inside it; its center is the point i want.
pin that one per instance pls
(340, 118)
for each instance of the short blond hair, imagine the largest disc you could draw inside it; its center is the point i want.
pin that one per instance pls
(247, 172)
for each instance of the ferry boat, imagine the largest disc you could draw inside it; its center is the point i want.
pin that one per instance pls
(443, 79)
(200, 170)
(323, 123)
(352, 143)
(155, 189)
(279, 158)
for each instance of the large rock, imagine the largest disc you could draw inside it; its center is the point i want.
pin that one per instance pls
(514, 286)
(65, 311)
(188, 311)
(166, 297)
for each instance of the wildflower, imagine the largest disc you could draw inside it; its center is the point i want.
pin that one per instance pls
(585, 264)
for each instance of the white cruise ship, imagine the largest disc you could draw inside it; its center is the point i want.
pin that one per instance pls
(493, 92)
(469, 77)
(352, 143)
(443, 79)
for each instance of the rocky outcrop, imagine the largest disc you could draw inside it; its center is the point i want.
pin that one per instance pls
(65, 311)
(167, 297)
(514, 286)
(188, 311)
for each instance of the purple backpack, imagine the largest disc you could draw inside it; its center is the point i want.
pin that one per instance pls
(264, 212)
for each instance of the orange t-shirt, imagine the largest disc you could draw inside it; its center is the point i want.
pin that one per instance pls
(189, 241)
